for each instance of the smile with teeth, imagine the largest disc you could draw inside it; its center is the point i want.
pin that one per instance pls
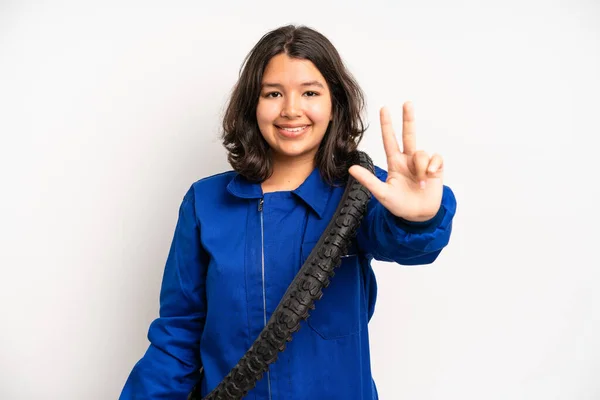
(292, 132)
(296, 129)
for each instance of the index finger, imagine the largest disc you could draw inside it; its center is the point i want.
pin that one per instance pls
(390, 143)
(409, 140)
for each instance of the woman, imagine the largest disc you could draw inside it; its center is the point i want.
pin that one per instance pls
(292, 121)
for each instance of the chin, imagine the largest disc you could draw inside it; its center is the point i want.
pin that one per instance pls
(294, 152)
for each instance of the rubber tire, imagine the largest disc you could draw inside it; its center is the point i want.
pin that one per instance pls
(300, 297)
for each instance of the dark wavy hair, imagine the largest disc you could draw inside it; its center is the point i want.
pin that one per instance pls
(248, 152)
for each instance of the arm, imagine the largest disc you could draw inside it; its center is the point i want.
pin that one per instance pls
(169, 369)
(411, 190)
(386, 237)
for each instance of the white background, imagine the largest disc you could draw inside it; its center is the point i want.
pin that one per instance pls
(108, 113)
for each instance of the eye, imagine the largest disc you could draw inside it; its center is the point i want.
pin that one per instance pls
(272, 95)
(311, 94)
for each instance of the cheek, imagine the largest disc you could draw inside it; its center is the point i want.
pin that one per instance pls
(320, 113)
(266, 113)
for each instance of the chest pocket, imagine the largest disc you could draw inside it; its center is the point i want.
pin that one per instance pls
(338, 313)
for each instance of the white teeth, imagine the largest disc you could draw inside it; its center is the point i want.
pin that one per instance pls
(298, 129)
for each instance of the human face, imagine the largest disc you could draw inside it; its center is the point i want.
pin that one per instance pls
(294, 108)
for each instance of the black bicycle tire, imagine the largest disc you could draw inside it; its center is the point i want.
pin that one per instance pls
(304, 290)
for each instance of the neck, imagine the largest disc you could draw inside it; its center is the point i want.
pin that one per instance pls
(288, 174)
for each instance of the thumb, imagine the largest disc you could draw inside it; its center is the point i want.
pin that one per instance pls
(366, 178)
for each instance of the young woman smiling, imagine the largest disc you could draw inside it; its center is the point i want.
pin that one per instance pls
(293, 120)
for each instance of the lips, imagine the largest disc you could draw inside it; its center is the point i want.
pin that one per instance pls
(292, 131)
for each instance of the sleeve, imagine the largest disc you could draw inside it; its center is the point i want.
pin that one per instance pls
(170, 367)
(385, 237)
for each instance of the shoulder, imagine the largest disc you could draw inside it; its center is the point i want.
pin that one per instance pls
(221, 179)
(211, 184)
(380, 173)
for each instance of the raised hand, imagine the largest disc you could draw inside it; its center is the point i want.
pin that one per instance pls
(413, 188)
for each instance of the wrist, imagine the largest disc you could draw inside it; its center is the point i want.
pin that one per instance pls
(421, 225)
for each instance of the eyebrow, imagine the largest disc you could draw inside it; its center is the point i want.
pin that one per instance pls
(279, 86)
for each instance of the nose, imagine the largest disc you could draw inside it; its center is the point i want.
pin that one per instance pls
(291, 107)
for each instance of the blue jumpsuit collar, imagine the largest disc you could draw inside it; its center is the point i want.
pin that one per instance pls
(314, 191)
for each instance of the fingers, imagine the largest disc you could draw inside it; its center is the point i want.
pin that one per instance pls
(424, 167)
(420, 164)
(436, 165)
(390, 143)
(370, 181)
(409, 140)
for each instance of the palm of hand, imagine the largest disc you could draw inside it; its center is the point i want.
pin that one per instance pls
(413, 188)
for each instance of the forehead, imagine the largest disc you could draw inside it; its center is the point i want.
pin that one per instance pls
(283, 69)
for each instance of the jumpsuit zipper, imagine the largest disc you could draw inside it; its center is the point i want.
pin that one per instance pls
(262, 239)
